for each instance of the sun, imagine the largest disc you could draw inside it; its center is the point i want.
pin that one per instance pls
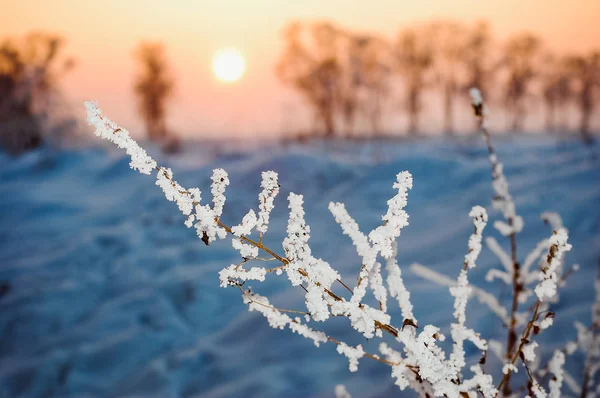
(228, 65)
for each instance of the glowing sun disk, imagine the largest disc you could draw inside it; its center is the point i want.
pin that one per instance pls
(228, 65)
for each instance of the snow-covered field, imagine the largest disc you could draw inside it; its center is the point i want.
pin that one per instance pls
(104, 291)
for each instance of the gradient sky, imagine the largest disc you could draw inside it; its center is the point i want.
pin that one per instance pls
(102, 35)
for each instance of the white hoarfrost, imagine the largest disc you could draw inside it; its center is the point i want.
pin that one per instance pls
(352, 353)
(341, 392)
(266, 198)
(419, 363)
(546, 289)
(109, 130)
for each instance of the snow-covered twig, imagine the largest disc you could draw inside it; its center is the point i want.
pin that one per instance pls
(420, 363)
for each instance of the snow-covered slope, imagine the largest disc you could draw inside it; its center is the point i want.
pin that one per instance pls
(104, 291)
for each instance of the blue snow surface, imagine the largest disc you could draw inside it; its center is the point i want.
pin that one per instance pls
(104, 291)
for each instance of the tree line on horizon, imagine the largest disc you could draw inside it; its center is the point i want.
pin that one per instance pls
(350, 81)
(347, 77)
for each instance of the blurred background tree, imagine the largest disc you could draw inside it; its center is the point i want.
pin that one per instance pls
(372, 55)
(556, 86)
(521, 62)
(30, 70)
(414, 54)
(586, 83)
(479, 66)
(448, 42)
(153, 89)
(311, 63)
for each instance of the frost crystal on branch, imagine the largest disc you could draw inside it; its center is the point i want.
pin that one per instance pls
(546, 289)
(270, 189)
(175, 192)
(352, 353)
(220, 181)
(556, 368)
(419, 363)
(341, 392)
(247, 225)
(233, 272)
(108, 130)
(395, 219)
(462, 291)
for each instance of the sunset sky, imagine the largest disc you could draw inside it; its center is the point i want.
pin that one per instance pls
(101, 35)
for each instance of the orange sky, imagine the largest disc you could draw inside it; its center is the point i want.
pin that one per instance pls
(102, 35)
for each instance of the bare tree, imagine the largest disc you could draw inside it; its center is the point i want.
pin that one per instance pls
(310, 64)
(556, 86)
(30, 70)
(521, 53)
(414, 58)
(478, 62)
(449, 39)
(153, 87)
(586, 72)
(369, 74)
(476, 56)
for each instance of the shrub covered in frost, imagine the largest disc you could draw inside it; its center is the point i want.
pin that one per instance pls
(416, 359)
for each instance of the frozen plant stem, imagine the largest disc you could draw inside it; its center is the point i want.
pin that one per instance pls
(420, 363)
(507, 205)
(210, 227)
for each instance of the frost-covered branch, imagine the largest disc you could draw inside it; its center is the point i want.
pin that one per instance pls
(502, 201)
(418, 361)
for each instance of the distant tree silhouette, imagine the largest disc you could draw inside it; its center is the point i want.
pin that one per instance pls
(369, 72)
(449, 41)
(30, 69)
(346, 77)
(478, 63)
(414, 59)
(586, 72)
(153, 88)
(556, 85)
(342, 75)
(310, 64)
(476, 56)
(520, 57)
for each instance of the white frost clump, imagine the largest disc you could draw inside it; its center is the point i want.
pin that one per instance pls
(552, 218)
(476, 96)
(175, 192)
(303, 330)
(296, 243)
(220, 181)
(546, 323)
(399, 369)
(529, 351)
(353, 354)
(480, 219)
(546, 289)
(509, 367)
(341, 392)
(538, 391)
(556, 368)
(395, 219)
(396, 285)
(302, 266)
(109, 130)
(247, 225)
(234, 272)
(270, 189)
(462, 291)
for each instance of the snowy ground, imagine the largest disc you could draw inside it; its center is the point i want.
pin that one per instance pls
(104, 291)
